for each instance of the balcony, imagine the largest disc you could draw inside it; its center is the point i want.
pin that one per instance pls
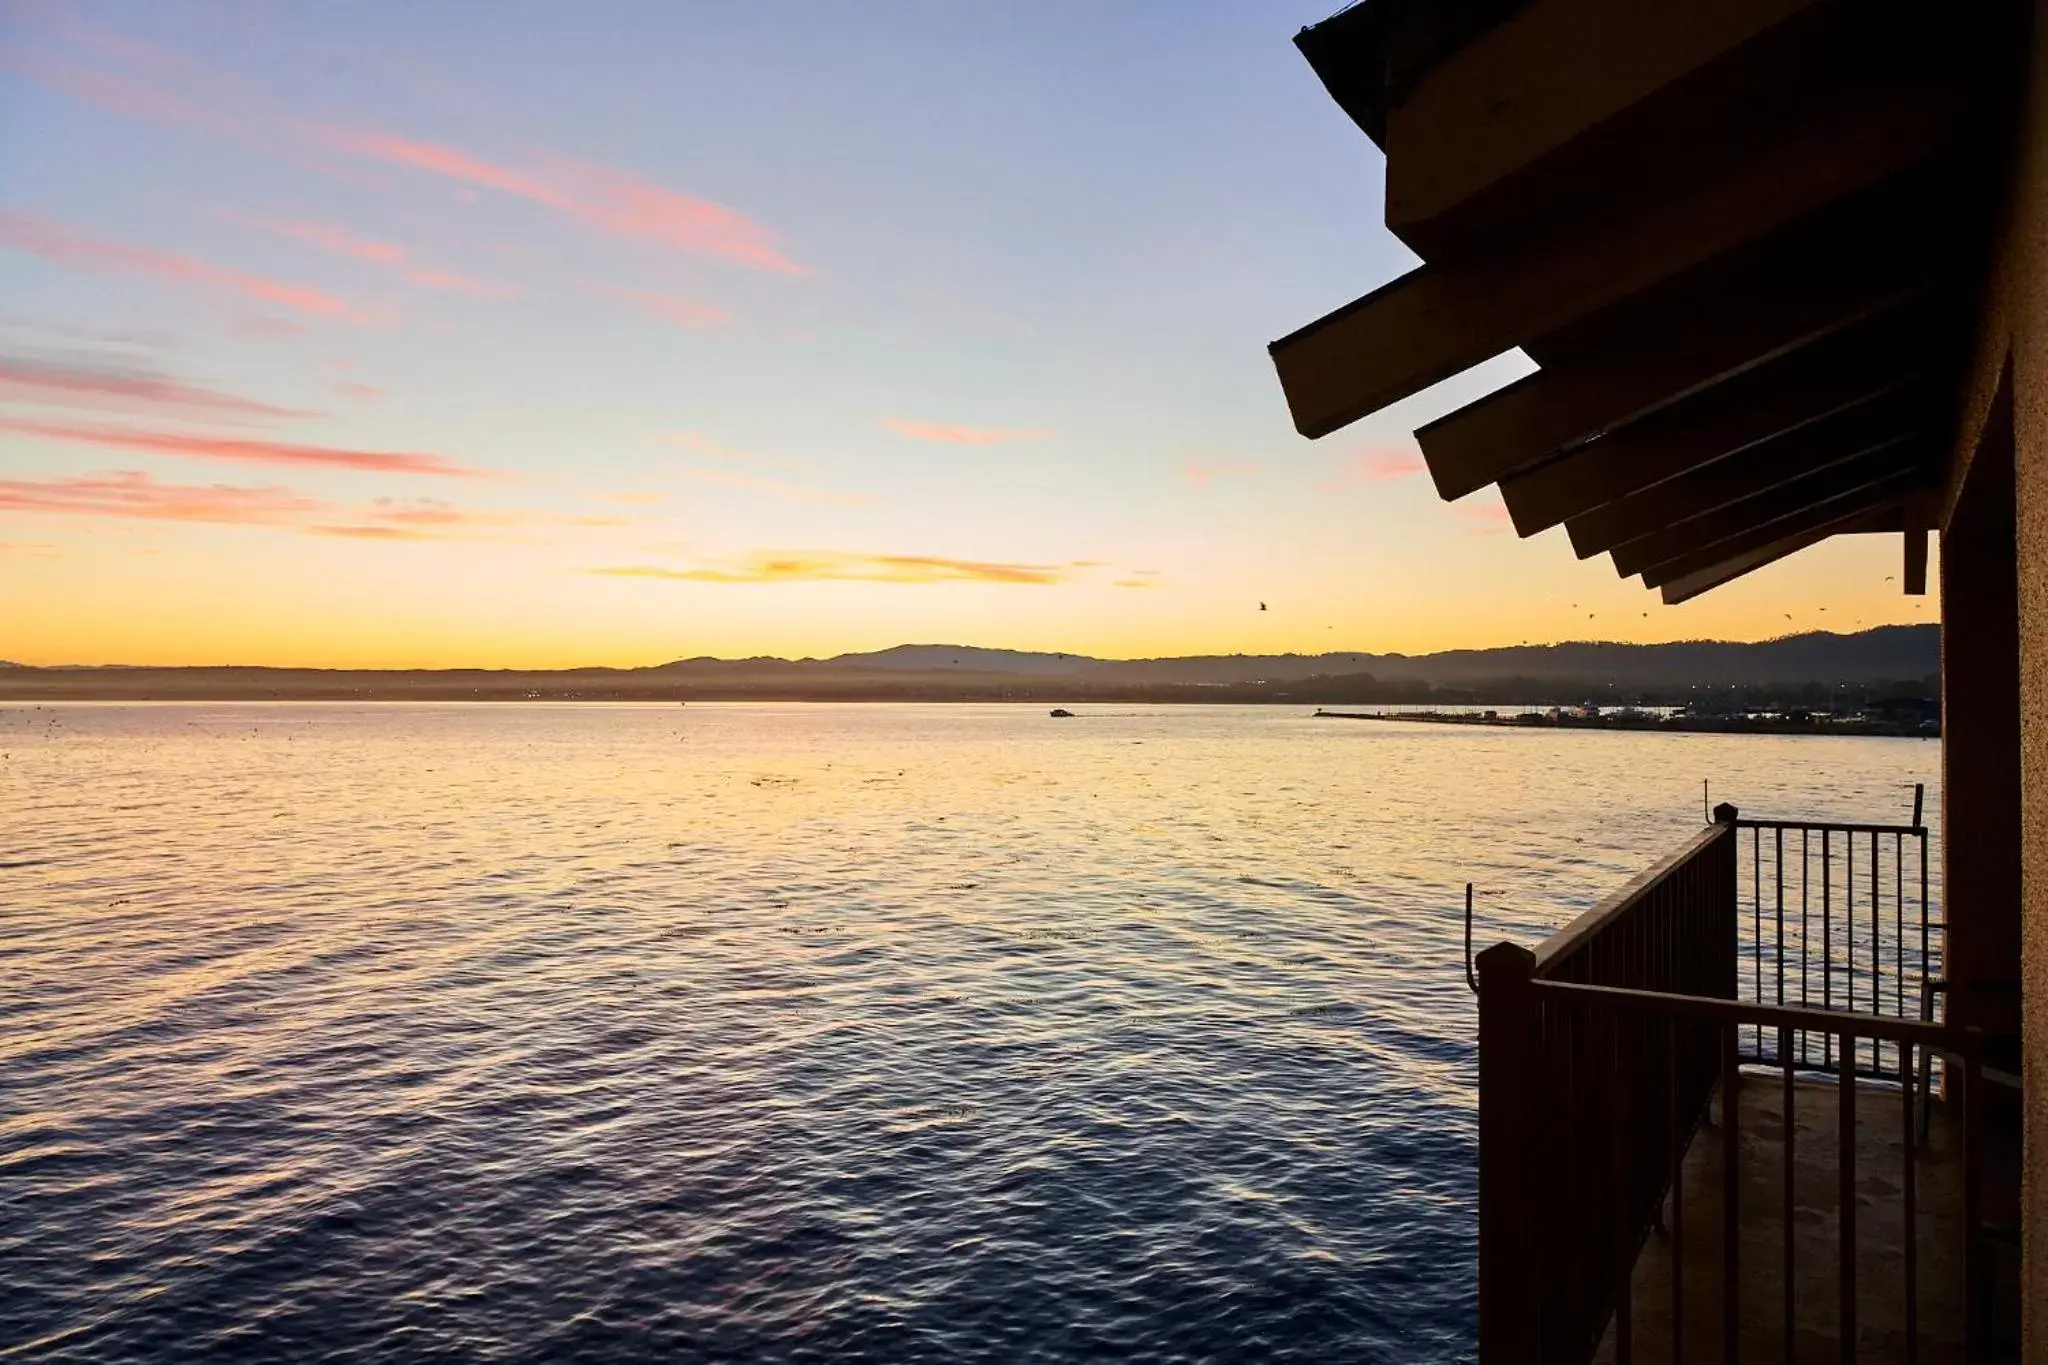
(1642, 1196)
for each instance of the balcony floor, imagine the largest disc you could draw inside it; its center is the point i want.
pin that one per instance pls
(1880, 1259)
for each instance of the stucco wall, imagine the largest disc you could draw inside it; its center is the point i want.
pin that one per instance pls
(2026, 290)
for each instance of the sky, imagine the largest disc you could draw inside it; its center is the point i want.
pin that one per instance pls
(543, 334)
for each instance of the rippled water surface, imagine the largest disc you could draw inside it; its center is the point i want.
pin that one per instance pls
(896, 1033)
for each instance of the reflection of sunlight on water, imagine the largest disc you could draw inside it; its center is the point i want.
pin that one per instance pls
(897, 1031)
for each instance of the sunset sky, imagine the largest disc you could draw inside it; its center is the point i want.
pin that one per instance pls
(547, 333)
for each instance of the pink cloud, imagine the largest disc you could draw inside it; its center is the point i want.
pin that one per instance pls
(811, 566)
(332, 237)
(450, 283)
(49, 383)
(68, 246)
(364, 392)
(1200, 475)
(132, 95)
(247, 452)
(329, 237)
(611, 200)
(691, 314)
(131, 494)
(259, 328)
(1379, 464)
(372, 532)
(962, 436)
(137, 495)
(1484, 518)
(691, 441)
(774, 488)
(1375, 464)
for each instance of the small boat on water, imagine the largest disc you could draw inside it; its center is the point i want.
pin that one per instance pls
(1061, 713)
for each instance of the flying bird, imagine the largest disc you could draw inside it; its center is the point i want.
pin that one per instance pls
(1262, 606)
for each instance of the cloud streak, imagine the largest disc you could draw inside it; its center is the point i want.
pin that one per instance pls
(1376, 464)
(963, 436)
(340, 241)
(690, 314)
(1484, 518)
(773, 488)
(610, 200)
(69, 246)
(134, 495)
(826, 566)
(241, 451)
(131, 494)
(1200, 475)
(51, 383)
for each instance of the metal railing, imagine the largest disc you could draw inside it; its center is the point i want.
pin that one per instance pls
(1571, 1177)
(1691, 1022)
(1601, 1052)
(1836, 916)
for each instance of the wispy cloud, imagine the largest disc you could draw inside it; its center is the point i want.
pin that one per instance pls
(614, 201)
(1382, 463)
(1375, 464)
(257, 327)
(133, 494)
(812, 566)
(362, 532)
(1484, 518)
(242, 451)
(141, 81)
(141, 89)
(82, 384)
(1202, 475)
(773, 488)
(1135, 583)
(130, 494)
(341, 241)
(65, 245)
(700, 445)
(692, 314)
(963, 436)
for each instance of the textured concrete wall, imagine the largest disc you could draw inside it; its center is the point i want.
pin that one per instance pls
(2026, 289)
(1980, 700)
(2013, 331)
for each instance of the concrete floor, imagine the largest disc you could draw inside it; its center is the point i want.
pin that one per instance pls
(1880, 1258)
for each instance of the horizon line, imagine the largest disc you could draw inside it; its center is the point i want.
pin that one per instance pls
(1074, 655)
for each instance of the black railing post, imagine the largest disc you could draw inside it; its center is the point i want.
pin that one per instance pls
(1726, 893)
(1510, 1236)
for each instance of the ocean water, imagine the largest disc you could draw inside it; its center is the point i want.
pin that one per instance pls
(782, 1032)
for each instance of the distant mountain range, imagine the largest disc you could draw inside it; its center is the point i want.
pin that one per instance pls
(1894, 655)
(1886, 652)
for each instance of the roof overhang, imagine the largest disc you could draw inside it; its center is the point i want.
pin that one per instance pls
(1742, 239)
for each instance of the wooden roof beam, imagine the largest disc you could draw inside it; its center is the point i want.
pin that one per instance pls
(1443, 318)
(1901, 415)
(1566, 105)
(1708, 529)
(1727, 571)
(1893, 492)
(1519, 111)
(1767, 403)
(1829, 273)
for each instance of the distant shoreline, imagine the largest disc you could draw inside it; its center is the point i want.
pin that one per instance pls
(1885, 666)
(1515, 718)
